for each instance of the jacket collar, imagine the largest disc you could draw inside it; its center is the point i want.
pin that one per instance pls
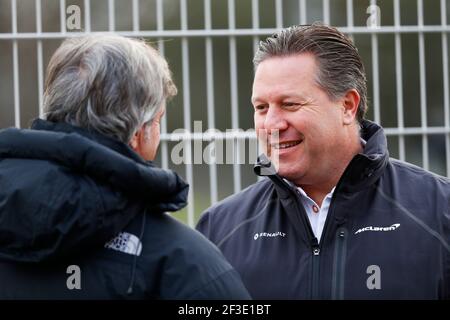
(105, 159)
(363, 170)
(112, 143)
(366, 167)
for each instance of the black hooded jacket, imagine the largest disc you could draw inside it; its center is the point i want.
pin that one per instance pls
(83, 216)
(386, 236)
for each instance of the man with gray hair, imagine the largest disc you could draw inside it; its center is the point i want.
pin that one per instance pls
(82, 207)
(336, 218)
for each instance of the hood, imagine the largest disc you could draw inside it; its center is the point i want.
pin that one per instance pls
(63, 188)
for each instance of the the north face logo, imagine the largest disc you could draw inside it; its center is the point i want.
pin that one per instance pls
(125, 242)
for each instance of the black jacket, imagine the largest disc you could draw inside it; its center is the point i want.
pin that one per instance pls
(386, 236)
(83, 216)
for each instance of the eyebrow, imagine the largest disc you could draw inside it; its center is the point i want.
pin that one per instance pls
(253, 99)
(282, 97)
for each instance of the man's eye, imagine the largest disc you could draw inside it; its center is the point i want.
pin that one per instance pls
(290, 104)
(260, 107)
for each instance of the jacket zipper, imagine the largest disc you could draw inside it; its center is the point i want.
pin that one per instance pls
(315, 246)
(315, 250)
(340, 253)
(336, 190)
(315, 269)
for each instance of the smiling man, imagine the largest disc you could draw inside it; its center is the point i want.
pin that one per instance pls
(317, 135)
(337, 219)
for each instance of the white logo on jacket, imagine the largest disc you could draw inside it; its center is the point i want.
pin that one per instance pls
(269, 235)
(391, 228)
(125, 242)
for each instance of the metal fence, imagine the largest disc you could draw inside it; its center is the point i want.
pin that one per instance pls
(209, 44)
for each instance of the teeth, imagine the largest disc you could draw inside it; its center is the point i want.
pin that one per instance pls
(285, 145)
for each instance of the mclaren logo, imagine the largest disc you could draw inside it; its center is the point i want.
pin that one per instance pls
(269, 235)
(391, 228)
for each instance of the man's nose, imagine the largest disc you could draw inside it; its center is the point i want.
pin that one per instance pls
(275, 120)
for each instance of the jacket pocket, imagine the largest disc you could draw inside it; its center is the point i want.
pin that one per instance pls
(340, 253)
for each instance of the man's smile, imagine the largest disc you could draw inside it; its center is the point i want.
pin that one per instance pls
(286, 144)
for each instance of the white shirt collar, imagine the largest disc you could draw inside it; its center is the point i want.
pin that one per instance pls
(316, 215)
(303, 193)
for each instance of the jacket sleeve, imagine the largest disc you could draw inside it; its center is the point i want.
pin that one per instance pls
(203, 225)
(227, 286)
(446, 281)
(196, 269)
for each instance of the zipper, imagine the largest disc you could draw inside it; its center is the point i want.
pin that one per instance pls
(336, 190)
(340, 253)
(314, 243)
(315, 249)
(338, 292)
(315, 269)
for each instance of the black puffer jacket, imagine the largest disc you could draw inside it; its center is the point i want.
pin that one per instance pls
(82, 216)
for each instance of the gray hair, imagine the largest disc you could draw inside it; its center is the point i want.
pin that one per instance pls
(106, 83)
(340, 66)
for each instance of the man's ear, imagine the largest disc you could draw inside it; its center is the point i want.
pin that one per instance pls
(134, 142)
(350, 103)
